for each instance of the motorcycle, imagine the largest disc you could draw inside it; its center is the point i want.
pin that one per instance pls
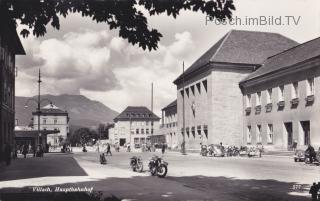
(315, 158)
(103, 159)
(136, 164)
(158, 166)
(204, 150)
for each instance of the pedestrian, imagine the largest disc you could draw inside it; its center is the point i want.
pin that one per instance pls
(7, 153)
(163, 148)
(314, 191)
(33, 150)
(25, 150)
(108, 150)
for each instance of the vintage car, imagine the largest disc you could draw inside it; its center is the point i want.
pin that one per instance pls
(299, 156)
(254, 151)
(216, 150)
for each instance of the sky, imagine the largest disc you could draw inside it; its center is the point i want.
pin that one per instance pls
(86, 58)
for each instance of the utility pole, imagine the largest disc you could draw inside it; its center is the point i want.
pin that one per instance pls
(152, 113)
(39, 83)
(183, 145)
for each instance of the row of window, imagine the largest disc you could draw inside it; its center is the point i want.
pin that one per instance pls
(141, 123)
(191, 90)
(281, 91)
(138, 115)
(45, 121)
(141, 131)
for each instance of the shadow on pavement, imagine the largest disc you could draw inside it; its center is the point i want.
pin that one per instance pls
(95, 196)
(24, 168)
(189, 188)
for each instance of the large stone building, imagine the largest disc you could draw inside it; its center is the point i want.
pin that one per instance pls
(280, 103)
(53, 118)
(169, 125)
(210, 90)
(135, 125)
(10, 46)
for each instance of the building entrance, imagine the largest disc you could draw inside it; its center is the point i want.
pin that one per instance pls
(122, 141)
(288, 127)
(306, 131)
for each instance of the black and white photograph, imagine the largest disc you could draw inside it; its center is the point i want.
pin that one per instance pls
(159, 100)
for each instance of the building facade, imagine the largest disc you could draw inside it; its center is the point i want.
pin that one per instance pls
(169, 125)
(54, 119)
(134, 126)
(10, 46)
(280, 103)
(209, 102)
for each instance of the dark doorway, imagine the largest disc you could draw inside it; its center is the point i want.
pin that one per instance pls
(306, 131)
(288, 126)
(122, 141)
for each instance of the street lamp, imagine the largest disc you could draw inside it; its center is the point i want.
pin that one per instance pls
(38, 102)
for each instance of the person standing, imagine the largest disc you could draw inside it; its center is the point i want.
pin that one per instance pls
(25, 150)
(314, 191)
(7, 153)
(108, 150)
(163, 148)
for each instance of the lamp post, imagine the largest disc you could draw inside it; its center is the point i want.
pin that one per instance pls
(38, 102)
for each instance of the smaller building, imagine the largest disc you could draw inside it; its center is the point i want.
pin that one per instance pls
(169, 125)
(53, 118)
(135, 125)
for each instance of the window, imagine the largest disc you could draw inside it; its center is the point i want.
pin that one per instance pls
(55, 121)
(192, 89)
(199, 87)
(270, 134)
(142, 131)
(258, 133)
(295, 92)
(147, 130)
(147, 123)
(137, 131)
(205, 85)
(258, 98)
(151, 131)
(136, 140)
(281, 93)
(248, 134)
(248, 100)
(310, 87)
(269, 95)
(44, 121)
(182, 93)
(187, 91)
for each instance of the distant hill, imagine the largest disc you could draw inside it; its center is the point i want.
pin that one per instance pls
(83, 112)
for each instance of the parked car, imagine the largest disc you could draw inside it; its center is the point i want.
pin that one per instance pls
(217, 150)
(299, 155)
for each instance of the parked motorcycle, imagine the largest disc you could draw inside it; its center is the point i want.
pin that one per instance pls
(136, 164)
(158, 166)
(204, 150)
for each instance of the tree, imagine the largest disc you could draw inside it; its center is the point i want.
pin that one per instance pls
(83, 136)
(124, 15)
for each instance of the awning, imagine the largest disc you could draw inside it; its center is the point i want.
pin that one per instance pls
(33, 133)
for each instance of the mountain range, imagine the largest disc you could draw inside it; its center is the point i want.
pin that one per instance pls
(82, 111)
